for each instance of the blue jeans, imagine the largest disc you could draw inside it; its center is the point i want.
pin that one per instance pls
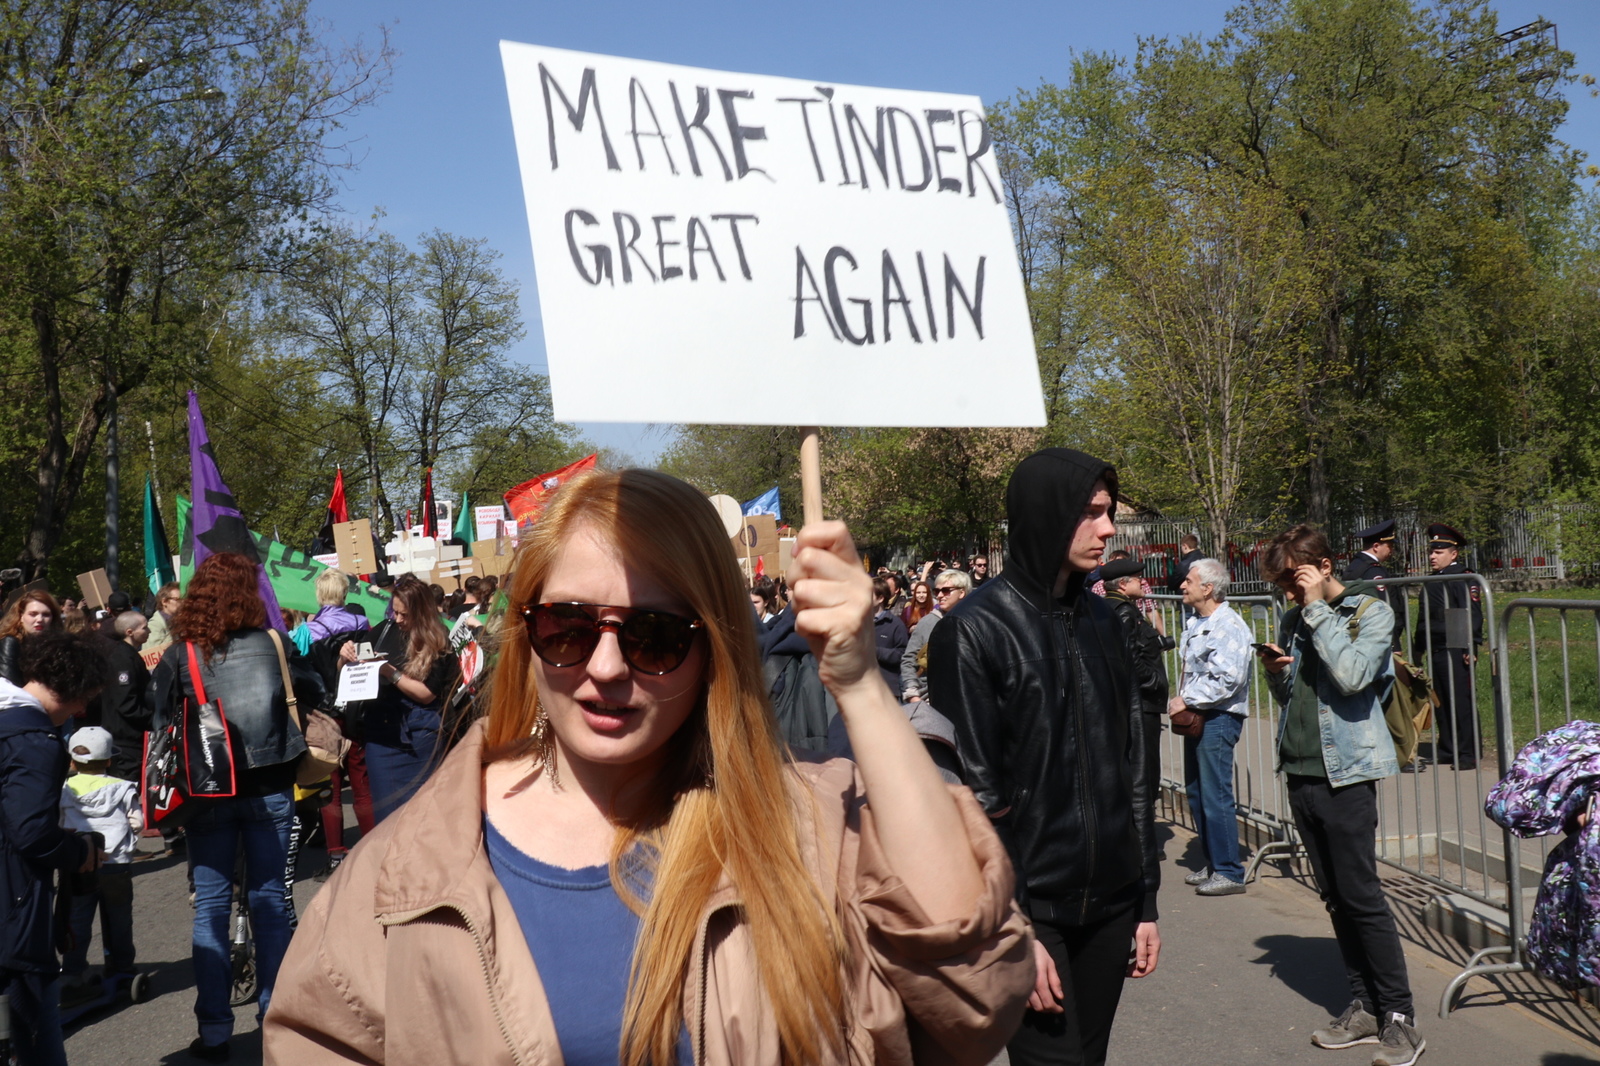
(35, 1004)
(1208, 777)
(400, 758)
(113, 898)
(261, 823)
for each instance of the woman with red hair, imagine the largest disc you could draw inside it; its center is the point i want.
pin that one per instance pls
(626, 865)
(34, 612)
(219, 632)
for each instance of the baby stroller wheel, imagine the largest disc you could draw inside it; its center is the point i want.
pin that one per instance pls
(244, 975)
(139, 988)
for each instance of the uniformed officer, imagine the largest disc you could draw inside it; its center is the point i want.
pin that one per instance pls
(1377, 547)
(1449, 633)
(1371, 563)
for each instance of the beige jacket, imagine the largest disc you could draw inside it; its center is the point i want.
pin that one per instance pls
(412, 953)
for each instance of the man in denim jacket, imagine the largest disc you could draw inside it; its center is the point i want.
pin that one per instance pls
(1331, 675)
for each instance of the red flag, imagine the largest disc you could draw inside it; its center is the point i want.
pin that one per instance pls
(527, 499)
(337, 512)
(336, 505)
(761, 566)
(430, 515)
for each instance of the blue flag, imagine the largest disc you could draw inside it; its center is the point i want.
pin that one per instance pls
(766, 503)
(215, 521)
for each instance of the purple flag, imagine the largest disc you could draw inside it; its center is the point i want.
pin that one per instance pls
(216, 522)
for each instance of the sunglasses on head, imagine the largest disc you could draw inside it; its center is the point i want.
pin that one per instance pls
(566, 634)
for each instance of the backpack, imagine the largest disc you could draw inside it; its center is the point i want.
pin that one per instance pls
(1408, 709)
(1551, 782)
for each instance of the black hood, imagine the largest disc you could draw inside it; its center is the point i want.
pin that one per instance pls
(1045, 499)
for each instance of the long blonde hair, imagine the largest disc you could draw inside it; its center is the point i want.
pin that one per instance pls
(721, 803)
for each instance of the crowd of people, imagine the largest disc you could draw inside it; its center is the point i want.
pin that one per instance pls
(697, 818)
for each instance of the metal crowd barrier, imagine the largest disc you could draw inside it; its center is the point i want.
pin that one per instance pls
(1532, 694)
(1260, 797)
(1431, 820)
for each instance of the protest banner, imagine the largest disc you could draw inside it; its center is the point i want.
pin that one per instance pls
(840, 231)
(292, 574)
(487, 520)
(684, 220)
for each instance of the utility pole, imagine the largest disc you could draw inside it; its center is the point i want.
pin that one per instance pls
(112, 494)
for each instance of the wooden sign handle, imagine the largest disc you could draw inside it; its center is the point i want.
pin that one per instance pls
(811, 473)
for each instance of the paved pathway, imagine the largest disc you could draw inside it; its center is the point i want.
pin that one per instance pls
(1243, 981)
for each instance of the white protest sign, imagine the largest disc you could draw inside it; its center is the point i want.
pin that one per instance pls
(358, 681)
(696, 229)
(488, 520)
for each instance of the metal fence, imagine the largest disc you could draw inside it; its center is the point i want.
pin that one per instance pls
(1258, 789)
(1547, 673)
(1525, 542)
(1517, 683)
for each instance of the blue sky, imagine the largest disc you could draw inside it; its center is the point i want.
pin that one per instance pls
(437, 151)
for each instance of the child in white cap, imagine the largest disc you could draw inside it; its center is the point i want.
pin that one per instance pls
(93, 801)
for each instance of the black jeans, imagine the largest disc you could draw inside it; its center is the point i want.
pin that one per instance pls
(1092, 961)
(1339, 827)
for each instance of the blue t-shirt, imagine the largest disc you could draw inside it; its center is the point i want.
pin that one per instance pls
(581, 936)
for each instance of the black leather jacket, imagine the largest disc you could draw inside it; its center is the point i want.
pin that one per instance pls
(9, 647)
(1149, 671)
(1048, 718)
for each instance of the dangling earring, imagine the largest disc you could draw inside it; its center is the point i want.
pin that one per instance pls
(544, 744)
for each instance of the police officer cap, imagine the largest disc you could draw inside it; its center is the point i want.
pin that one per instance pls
(1381, 531)
(1443, 536)
(1117, 569)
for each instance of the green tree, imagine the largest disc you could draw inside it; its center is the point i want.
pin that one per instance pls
(1416, 150)
(348, 309)
(465, 318)
(150, 154)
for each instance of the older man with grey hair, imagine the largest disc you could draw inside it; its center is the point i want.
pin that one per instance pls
(1216, 654)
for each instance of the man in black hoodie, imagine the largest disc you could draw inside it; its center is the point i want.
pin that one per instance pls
(1037, 675)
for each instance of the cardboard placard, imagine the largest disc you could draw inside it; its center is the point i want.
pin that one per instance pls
(769, 566)
(451, 574)
(96, 588)
(352, 542)
(785, 554)
(494, 557)
(411, 555)
(684, 218)
(758, 535)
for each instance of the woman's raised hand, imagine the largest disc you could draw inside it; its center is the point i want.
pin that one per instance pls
(833, 605)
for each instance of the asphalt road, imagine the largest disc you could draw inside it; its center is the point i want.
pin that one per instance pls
(1243, 980)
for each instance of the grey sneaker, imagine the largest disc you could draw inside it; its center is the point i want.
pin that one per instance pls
(1400, 1044)
(1354, 1026)
(1217, 885)
(1199, 877)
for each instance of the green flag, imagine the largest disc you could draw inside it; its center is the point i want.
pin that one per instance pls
(293, 574)
(157, 555)
(463, 530)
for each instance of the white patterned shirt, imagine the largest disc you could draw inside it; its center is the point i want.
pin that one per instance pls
(1216, 657)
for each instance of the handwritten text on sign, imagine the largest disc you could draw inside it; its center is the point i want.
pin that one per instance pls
(696, 231)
